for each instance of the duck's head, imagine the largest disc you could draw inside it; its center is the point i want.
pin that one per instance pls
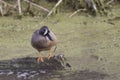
(44, 31)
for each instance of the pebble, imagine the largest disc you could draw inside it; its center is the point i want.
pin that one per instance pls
(32, 72)
(43, 72)
(23, 75)
(1, 73)
(10, 73)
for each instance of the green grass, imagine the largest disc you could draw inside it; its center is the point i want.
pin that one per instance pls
(88, 42)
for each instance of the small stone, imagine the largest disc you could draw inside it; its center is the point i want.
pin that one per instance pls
(43, 72)
(23, 75)
(1, 73)
(33, 72)
(10, 73)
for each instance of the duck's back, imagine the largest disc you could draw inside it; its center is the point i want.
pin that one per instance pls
(42, 43)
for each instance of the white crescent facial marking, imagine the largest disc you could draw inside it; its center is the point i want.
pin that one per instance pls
(45, 32)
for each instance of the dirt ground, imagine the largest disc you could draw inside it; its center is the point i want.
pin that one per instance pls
(91, 44)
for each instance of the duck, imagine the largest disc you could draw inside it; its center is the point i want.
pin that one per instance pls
(43, 39)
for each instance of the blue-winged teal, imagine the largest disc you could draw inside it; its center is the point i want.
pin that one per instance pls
(43, 39)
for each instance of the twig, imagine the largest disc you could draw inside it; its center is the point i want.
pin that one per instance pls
(40, 7)
(94, 6)
(109, 2)
(19, 7)
(13, 6)
(1, 10)
(57, 4)
(77, 12)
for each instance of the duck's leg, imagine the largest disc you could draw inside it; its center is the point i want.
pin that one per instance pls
(40, 58)
(50, 54)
